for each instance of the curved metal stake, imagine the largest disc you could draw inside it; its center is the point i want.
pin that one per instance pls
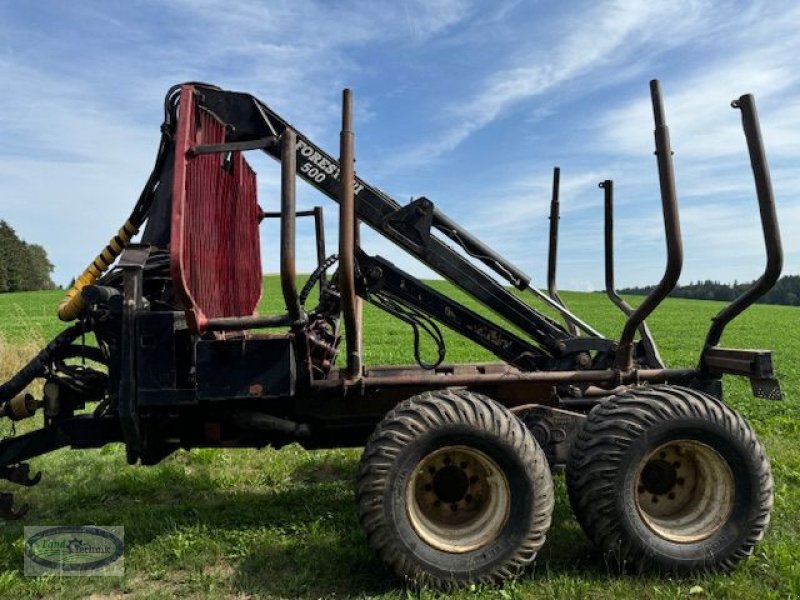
(552, 253)
(672, 227)
(769, 223)
(648, 343)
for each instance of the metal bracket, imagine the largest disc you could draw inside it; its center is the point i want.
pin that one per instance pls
(755, 364)
(586, 344)
(412, 222)
(750, 363)
(553, 428)
(259, 144)
(132, 264)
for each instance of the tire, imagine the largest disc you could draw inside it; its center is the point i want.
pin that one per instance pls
(452, 489)
(670, 478)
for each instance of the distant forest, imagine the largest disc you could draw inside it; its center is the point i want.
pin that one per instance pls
(23, 267)
(786, 291)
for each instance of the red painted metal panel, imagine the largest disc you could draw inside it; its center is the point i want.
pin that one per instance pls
(214, 250)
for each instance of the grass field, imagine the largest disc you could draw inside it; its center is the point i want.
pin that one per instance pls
(252, 524)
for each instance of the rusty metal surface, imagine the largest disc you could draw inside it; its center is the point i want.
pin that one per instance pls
(276, 214)
(750, 363)
(289, 225)
(672, 227)
(347, 216)
(319, 231)
(769, 222)
(467, 377)
(648, 342)
(552, 250)
(253, 322)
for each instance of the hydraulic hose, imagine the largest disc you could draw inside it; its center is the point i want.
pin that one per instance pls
(72, 305)
(37, 366)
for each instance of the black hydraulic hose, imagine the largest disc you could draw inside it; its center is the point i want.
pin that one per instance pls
(73, 305)
(37, 366)
(314, 277)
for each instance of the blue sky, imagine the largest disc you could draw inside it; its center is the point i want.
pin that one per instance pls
(469, 103)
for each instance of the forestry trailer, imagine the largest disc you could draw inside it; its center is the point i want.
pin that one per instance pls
(454, 486)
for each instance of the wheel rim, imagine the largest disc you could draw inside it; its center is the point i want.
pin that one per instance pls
(458, 499)
(684, 491)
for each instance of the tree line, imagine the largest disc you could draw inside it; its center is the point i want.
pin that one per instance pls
(786, 291)
(23, 266)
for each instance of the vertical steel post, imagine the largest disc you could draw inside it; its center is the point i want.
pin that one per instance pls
(288, 225)
(319, 229)
(644, 331)
(552, 252)
(608, 202)
(347, 221)
(359, 299)
(672, 227)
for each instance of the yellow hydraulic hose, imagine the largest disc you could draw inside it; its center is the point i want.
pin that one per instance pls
(72, 305)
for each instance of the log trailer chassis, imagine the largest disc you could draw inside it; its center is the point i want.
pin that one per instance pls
(454, 485)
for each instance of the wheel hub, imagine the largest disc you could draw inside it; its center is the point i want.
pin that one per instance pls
(685, 491)
(659, 477)
(450, 484)
(457, 499)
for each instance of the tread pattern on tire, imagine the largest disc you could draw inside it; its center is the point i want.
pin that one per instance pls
(600, 449)
(426, 412)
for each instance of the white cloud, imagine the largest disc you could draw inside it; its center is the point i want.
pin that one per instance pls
(81, 132)
(594, 41)
(81, 149)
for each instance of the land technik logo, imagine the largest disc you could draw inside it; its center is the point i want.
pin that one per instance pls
(74, 550)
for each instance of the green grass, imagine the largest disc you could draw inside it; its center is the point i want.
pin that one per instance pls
(242, 523)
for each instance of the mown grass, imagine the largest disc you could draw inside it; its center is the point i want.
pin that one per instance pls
(247, 524)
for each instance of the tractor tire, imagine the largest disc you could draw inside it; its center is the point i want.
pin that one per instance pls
(453, 489)
(671, 479)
